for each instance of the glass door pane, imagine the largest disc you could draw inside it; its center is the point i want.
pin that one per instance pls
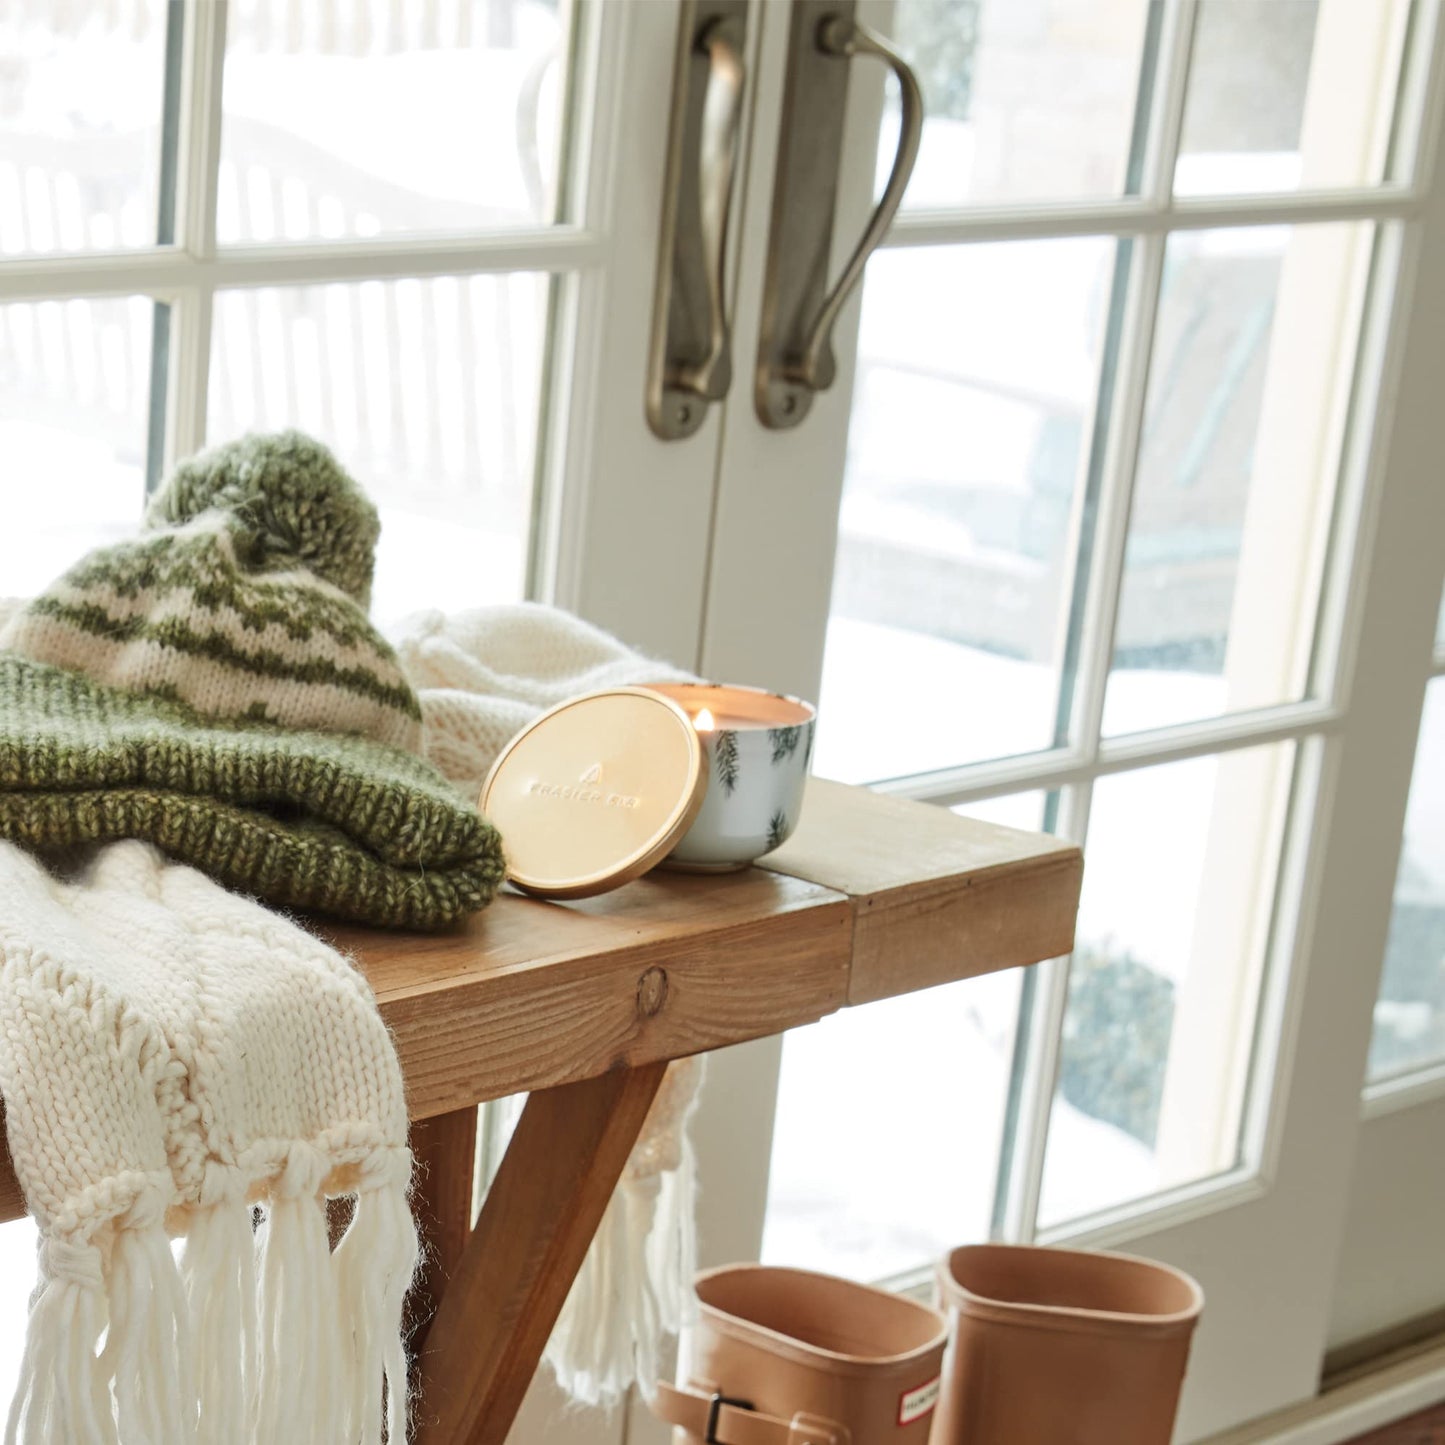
(378, 119)
(1290, 94)
(82, 95)
(1165, 979)
(75, 384)
(430, 393)
(1254, 348)
(888, 1130)
(1023, 101)
(978, 369)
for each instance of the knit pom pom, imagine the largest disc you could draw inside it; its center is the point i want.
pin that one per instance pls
(289, 501)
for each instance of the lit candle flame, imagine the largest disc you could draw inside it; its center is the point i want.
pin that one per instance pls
(704, 722)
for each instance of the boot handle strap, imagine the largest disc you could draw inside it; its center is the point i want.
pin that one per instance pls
(716, 1419)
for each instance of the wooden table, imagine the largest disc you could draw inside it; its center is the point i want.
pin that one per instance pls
(583, 1004)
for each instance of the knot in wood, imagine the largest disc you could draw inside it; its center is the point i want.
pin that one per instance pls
(651, 992)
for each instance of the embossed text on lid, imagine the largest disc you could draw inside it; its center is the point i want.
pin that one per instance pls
(596, 791)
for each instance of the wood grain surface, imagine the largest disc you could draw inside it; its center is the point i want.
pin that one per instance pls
(532, 994)
(936, 896)
(541, 1212)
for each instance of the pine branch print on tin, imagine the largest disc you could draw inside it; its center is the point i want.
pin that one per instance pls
(726, 755)
(785, 742)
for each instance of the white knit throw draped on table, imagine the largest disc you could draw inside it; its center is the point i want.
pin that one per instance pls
(482, 675)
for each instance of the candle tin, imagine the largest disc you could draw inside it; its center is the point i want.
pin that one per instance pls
(757, 753)
(596, 791)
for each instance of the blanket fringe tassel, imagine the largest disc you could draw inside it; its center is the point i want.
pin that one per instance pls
(141, 1385)
(254, 1337)
(63, 1390)
(299, 1315)
(632, 1289)
(374, 1265)
(219, 1269)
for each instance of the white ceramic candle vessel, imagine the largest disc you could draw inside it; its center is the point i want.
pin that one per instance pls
(757, 747)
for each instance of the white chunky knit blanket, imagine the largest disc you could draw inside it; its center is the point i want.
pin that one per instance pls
(172, 1055)
(482, 675)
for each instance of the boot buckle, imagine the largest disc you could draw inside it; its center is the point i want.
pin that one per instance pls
(714, 1413)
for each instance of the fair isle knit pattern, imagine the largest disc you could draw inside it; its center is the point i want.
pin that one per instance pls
(171, 1056)
(246, 599)
(216, 688)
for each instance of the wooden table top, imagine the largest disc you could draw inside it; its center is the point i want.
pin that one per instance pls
(873, 896)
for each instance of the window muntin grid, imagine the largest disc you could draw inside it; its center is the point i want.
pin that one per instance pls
(186, 278)
(1145, 222)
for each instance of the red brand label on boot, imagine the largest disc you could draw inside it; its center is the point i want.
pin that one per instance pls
(915, 1404)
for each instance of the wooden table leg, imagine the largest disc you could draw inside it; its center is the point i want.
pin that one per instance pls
(501, 1301)
(446, 1155)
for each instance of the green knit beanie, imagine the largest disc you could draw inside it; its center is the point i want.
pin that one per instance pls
(215, 686)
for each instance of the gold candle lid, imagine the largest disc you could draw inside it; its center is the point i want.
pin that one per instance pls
(596, 791)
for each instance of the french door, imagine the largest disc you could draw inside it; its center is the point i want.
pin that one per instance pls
(1121, 518)
(1119, 522)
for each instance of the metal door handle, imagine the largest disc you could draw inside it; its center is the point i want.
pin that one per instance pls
(722, 115)
(845, 39)
(795, 352)
(691, 364)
